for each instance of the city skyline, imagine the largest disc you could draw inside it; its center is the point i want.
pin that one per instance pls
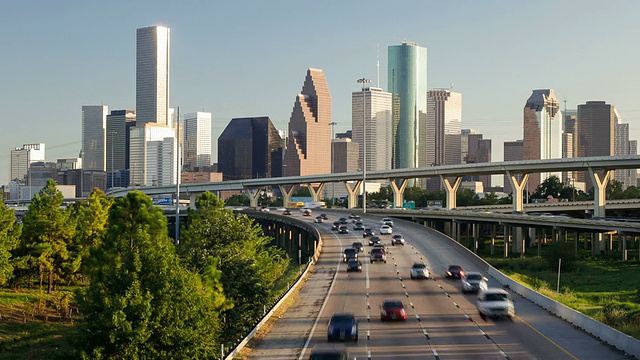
(61, 60)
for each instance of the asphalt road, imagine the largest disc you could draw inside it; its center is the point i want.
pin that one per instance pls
(442, 323)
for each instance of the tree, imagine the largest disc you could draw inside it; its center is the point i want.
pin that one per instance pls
(47, 230)
(9, 237)
(551, 186)
(238, 200)
(142, 303)
(466, 197)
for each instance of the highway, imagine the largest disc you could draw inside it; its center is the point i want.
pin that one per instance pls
(442, 323)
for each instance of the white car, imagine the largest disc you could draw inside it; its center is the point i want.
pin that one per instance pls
(387, 221)
(386, 229)
(473, 282)
(419, 270)
(495, 303)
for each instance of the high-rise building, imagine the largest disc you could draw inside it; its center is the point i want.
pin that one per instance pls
(119, 124)
(152, 75)
(21, 160)
(475, 150)
(513, 151)
(570, 141)
(347, 155)
(444, 126)
(94, 125)
(622, 146)
(376, 112)
(542, 132)
(152, 155)
(197, 140)
(250, 148)
(596, 132)
(407, 82)
(309, 141)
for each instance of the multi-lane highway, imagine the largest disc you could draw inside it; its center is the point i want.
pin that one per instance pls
(441, 322)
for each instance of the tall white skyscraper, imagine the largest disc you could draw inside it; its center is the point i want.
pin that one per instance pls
(153, 155)
(21, 160)
(377, 115)
(197, 140)
(94, 125)
(152, 75)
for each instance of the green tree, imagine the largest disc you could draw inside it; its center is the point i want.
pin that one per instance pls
(614, 190)
(142, 303)
(466, 197)
(238, 200)
(249, 264)
(550, 186)
(47, 230)
(9, 236)
(632, 192)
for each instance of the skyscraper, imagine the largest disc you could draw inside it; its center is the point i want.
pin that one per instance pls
(21, 160)
(542, 132)
(407, 75)
(513, 151)
(596, 132)
(475, 149)
(152, 75)
(197, 140)
(444, 126)
(570, 141)
(94, 125)
(622, 146)
(309, 141)
(377, 115)
(119, 124)
(250, 148)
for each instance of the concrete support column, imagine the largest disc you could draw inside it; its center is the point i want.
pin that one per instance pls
(599, 191)
(517, 189)
(506, 241)
(352, 199)
(451, 191)
(315, 192)
(254, 195)
(193, 197)
(493, 238)
(539, 239)
(286, 194)
(476, 233)
(468, 235)
(458, 232)
(624, 247)
(398, 191)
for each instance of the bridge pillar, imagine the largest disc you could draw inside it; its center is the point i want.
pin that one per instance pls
(599, 191)
(193, 197)
(398, 191)
(539, 233)
(352, 199)
(517, 241)
(315, 192)
(286, 194)
(493, 238)
(254, 195)
(517, 188)
(624, 247)
(451, 191)
(476, 233)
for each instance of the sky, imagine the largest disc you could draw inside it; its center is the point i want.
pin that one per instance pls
(249, 58)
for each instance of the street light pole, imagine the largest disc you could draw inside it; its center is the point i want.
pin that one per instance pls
(364, 81)
(333, 159)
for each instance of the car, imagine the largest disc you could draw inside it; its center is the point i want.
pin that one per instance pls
(264, 209)
(397, 239)
(495, 303)
(473, 282)
(355, 219)
(306, 212)
(319, 219)
(324, 216)
(392, 310)
(335, 226)
(343, 229)
(386, 229)
(387, 221)
(378, 255)
(374, 240)
(342, 220)
(354, 265)
(329, 354)
(419, 270)
(379, 246)
(358, 226)
(454, 272)
(349, 253)
(342, 326)
(286, 212)
(368, 232)
(352, 215)
(358, 246)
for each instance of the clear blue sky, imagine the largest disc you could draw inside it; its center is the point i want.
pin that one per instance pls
(249, 58)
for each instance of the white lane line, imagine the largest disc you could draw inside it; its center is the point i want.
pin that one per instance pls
(366, 281)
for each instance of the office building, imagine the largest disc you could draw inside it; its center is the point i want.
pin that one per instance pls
(623, 147)
(542, 132)
(250, 148)
(196, 135)
(346, 156)
(475, 149)
(21, 160)
(153, 155)
(596, 133)
(152, 75)
(570, 141)
(94, 125)
(119, 124)
(444, 126)
(514, 151)
(407, 82)
(376, 113)
(309, 135)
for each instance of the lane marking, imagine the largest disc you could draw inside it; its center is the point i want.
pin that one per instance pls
(547, 338)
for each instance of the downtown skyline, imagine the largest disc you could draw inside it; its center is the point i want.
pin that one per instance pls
(59, 65)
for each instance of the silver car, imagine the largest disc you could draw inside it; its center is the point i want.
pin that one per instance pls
(473, 282)
(419, 270)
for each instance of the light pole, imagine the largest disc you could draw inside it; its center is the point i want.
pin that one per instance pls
(364, 81)
(333, 158)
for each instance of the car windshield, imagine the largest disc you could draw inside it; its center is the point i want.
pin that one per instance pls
(496, 297)
(350, 251)
(419, 266)
(377, 251)
(327, 356)
(392, 304)
(454, 268)
(356, 245)
(474, 277)
(353, 262)
(342, 319)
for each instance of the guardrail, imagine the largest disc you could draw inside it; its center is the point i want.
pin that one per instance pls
(282, 298)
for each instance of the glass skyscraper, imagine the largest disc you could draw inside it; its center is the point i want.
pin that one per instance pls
(152, 75)
(407, 77)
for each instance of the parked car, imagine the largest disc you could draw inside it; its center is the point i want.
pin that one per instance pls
(343, 229)
(495, 303)
(454, 272)
(319, 219)
(397, 239)
(473, 282)
(373, 240)
(342, 326)
(419, 270)
(358, 246)
(358, 226)
(378, 255)
(392, 310)
(354, 265)
(368, 232)
(386, 229)
(349, 253)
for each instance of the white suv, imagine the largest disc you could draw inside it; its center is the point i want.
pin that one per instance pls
(495, 303)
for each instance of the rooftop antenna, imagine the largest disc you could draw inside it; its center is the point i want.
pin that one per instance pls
(378, 64)
(451, 87)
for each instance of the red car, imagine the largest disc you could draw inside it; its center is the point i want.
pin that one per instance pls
(392, 310)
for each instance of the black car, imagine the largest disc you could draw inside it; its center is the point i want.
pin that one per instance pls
(454, 272)
(374, 240)
(343, 229)
(335, 226)
(349, 253)
(368, 232)
(324, 216)
(286, 212)
(329, 354)
(355, 219)
(378, 255)
(343, 220)
(358, 246)
(354, 265)
(342, 326)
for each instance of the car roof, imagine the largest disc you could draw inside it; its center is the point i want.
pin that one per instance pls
(344, 315)
(418, 263)
(455, 267)
(392, 303)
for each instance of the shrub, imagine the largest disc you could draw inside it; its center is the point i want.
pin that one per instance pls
(560, 250)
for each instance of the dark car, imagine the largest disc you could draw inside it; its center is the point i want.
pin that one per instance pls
(352, 215)
(343, 220)
(329, 354)
(286, 212)
(306, 212)
(454, 272)
(343, 229)
(349, 253)
(335, 226)
(368, 232)
(374, 240)
(355, 219)
(354, 265)
(397, 239)
(358, 226)
(342, 326)
(378, 255)
(358, 246)
(392, 310)
(324, 216)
